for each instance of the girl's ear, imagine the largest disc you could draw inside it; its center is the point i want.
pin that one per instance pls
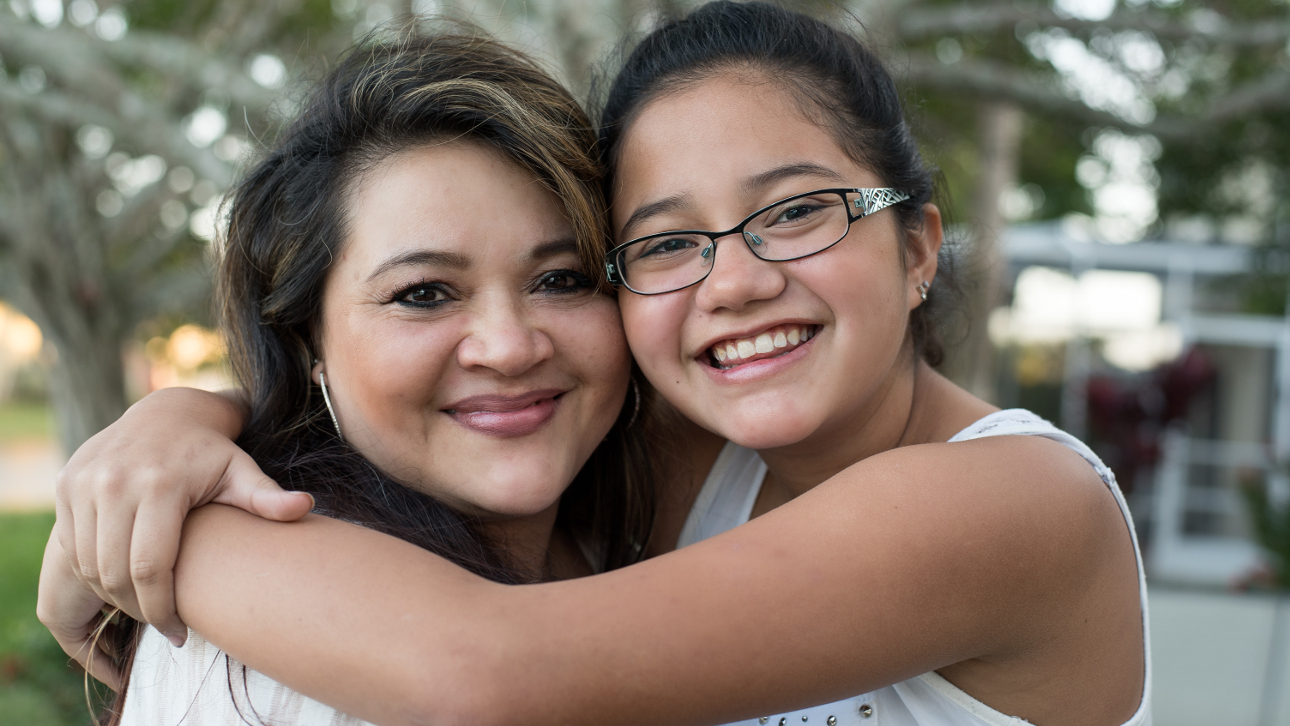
(317, 369)
(922, 250)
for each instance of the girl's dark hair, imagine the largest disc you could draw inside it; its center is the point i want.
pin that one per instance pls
(287, 222)
(833, 78)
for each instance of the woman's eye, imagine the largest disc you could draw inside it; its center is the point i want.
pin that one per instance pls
(422, 295)
(564, 281)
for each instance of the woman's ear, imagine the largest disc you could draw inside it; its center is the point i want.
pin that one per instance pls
(316, 371)
(922, 250)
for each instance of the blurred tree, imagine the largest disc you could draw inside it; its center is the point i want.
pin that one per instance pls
(114, 148)
(116, 127)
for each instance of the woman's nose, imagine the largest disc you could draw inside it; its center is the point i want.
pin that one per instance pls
(503, 340)
(738, 278)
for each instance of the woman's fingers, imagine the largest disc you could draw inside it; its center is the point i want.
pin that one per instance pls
(154, 550)
(246, 487)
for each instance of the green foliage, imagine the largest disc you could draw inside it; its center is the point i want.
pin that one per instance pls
(38, 687)
(1271, 528)
(24, 421)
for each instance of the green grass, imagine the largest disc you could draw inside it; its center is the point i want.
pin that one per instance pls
(37, 686)
(25, 421)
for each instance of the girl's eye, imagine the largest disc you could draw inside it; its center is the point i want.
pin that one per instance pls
(795, 213)
(667, 246)
(423, 295)
(564, 281)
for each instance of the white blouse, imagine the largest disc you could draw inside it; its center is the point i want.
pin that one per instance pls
(726, 501)
(199, 685)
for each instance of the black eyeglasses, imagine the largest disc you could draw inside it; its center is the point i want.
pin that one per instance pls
(790, 229)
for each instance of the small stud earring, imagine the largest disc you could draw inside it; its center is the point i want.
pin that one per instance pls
(923, 287)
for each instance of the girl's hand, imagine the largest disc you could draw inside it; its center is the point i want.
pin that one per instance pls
(74, 614)
(123, 497)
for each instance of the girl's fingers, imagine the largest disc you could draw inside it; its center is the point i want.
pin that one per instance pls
(73, 613)
(115, 529)
(246, 487)
(85, 559)
(154, 550)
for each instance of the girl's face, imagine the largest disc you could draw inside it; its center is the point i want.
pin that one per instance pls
(707, 156)
(463, 347)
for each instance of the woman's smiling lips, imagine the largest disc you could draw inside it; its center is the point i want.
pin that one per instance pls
(506, 416)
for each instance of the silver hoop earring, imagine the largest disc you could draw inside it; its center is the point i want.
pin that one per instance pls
(923, 287)
(322, 381)
(636, 388)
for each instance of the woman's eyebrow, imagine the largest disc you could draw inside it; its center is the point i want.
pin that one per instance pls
(758, 182)
(440, 258)
(553, 248)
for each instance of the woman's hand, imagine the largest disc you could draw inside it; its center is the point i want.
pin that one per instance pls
(123, 497)
(73, 613)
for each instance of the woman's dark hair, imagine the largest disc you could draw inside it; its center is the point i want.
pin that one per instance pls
(834, 79)
(287, 222)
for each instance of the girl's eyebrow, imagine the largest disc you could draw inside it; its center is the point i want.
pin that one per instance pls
(752, 184)
(653, 209)
(760, 181)
(441, 258)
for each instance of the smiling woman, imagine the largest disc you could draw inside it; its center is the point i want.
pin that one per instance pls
(411, 296)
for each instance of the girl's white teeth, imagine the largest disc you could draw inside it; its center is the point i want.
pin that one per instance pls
(785, 337)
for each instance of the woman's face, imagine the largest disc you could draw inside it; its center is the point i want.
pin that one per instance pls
(463, 347)
(707, 156)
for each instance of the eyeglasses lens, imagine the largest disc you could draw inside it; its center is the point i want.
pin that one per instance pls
(789, 230)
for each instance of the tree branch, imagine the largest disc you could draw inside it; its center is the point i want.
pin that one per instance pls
(147, 133)
(990, 80)
(923, 23)
(1270, 92)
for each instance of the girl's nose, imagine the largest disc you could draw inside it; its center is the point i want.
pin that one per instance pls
(738, 278)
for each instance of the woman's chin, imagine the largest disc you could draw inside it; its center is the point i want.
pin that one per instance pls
(515, 499)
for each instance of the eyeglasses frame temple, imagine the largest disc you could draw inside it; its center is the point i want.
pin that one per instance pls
(872, 201)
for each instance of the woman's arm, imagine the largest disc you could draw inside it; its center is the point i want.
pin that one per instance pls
(907, 562)
(123, 496)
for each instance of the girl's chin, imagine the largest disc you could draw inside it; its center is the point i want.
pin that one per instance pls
(764, 431)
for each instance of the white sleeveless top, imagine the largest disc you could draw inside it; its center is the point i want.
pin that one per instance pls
(198, 685)
(726, 501)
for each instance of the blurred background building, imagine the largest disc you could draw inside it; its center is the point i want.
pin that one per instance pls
(1117, 176)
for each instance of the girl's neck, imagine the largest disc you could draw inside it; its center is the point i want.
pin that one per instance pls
(916, 406)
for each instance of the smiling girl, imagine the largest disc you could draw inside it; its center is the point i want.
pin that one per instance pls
(912, 551)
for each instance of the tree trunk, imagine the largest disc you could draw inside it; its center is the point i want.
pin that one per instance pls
(971, 363)
(87, 391)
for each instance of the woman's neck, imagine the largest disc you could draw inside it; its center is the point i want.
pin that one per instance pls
(535, 547)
